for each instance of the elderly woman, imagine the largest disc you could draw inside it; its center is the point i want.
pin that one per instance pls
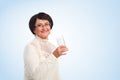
(40, 56)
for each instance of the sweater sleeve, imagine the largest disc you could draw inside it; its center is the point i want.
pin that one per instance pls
(38, 66)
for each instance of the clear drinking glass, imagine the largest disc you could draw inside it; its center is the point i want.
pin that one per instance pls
(60, 40)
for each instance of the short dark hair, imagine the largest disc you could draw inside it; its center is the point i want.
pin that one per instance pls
(42, 16)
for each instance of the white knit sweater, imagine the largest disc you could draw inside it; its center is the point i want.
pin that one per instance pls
(39, 62)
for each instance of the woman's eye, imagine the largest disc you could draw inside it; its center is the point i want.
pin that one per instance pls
(40, 25)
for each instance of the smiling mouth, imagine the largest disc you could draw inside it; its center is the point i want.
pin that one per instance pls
(44, 31)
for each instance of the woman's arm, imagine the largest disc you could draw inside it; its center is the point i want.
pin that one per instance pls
(36, 64)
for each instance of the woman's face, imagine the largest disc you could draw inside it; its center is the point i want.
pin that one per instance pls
(42, 28)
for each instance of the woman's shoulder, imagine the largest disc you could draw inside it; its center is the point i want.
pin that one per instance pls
(32, 43)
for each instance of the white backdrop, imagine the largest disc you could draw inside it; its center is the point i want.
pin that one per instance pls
(91, 29)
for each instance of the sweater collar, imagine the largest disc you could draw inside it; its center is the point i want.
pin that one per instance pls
(40, 39)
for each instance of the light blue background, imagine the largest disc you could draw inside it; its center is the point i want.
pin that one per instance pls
(91, 29)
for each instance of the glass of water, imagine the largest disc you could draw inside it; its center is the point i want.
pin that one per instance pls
(60, 40)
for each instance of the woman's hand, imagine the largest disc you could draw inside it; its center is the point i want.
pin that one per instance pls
(60, 51)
